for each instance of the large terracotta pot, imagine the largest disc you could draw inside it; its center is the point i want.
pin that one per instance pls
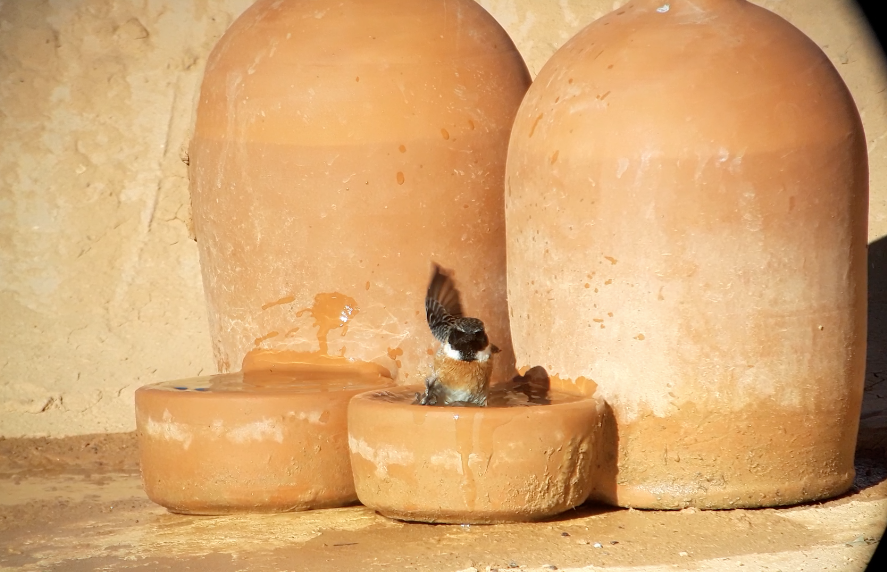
(339, 148)
(686, 218)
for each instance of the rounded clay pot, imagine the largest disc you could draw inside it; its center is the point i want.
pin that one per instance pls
(520, 458)
(339, 148)
(686, 217)
(264, 440)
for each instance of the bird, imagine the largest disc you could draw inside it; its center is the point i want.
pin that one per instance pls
(462, 366)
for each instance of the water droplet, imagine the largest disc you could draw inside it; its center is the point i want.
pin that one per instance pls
(347, 311)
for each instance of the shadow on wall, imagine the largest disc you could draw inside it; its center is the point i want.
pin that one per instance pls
(873, 421)
(870, 8)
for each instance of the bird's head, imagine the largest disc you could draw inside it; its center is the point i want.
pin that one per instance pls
(469, 339)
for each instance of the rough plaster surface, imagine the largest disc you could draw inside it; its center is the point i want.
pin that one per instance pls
(100, 288)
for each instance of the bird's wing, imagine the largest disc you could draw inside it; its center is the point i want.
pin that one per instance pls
(442, 306)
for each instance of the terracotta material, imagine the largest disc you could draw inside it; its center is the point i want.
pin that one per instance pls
(270, 439)
(686, 208)
(339, 148)
(526, 456)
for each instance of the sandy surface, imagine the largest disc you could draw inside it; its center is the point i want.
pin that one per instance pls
(77, 504)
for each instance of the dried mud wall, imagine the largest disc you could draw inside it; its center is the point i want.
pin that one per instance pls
(100, 288)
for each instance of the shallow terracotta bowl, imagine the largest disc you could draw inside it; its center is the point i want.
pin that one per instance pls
(526, 456)
(225, 444)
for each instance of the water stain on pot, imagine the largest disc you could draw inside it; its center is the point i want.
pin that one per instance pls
(267, 336)
(284, 300)
(330, 311)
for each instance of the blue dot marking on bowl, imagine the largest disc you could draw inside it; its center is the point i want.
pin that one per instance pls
(201, 389)
(181, 388)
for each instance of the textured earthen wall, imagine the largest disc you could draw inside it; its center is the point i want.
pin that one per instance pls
(100, 282)
(100, 287)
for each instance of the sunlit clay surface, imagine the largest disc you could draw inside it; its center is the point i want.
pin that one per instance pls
(259, 441)
(527, 455)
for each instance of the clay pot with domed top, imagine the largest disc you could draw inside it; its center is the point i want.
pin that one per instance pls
(340, 148)
(686, 208)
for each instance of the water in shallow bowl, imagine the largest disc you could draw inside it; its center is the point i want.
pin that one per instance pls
(508, 394)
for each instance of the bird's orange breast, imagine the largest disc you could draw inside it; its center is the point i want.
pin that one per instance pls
(457, 375)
